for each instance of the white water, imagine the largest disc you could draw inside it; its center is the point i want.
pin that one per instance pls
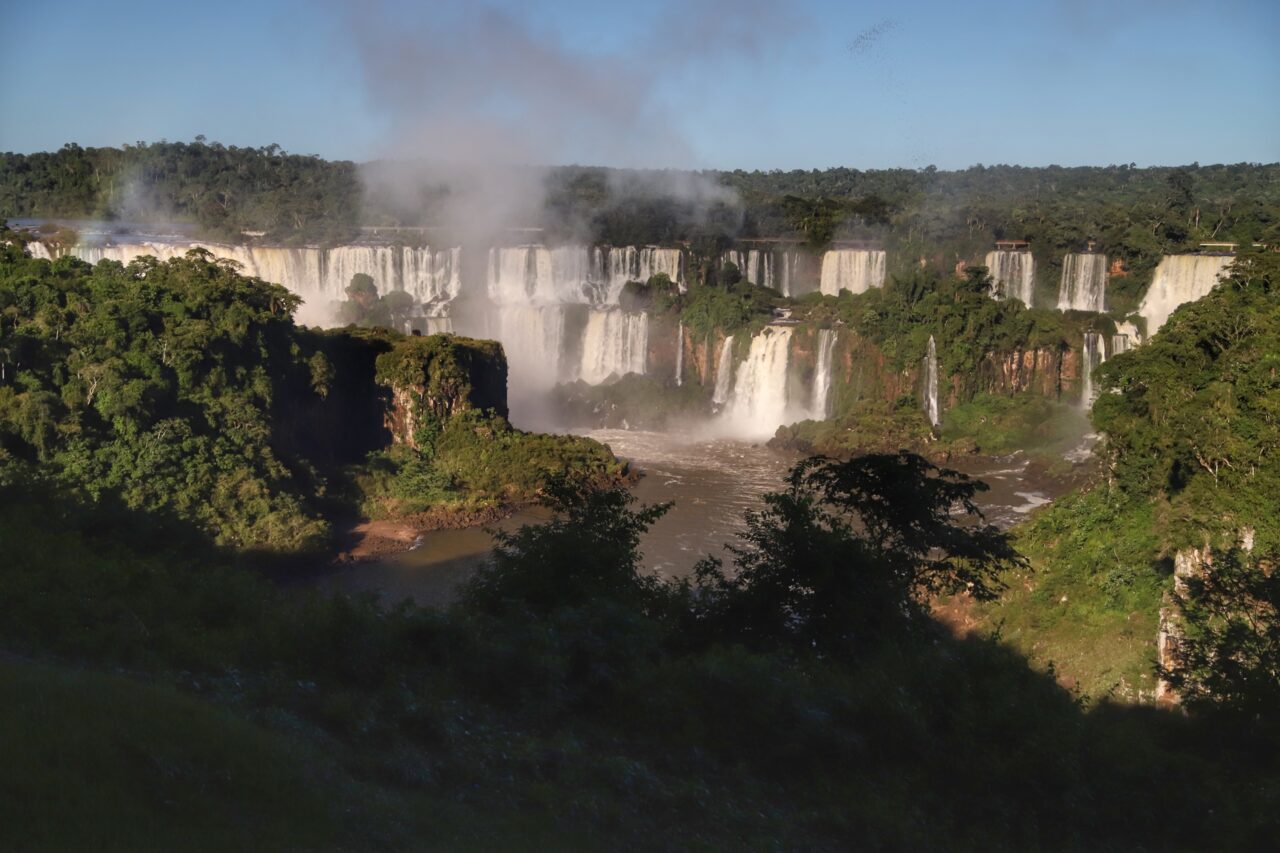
(614, 343)
(756, 266)
(759, 402)
(1084, 283)
(319, 276)
(533, 337)
(1014, 274)
(1095, 353)
(1179, 279)
(680, 354)
(820, 405)
(1119, 344)
(854, 270)
(724, 373)
(930, 374)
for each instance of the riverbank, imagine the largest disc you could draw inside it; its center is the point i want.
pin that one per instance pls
(372, 539)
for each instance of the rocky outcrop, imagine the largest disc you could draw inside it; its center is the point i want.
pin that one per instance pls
(434, 378)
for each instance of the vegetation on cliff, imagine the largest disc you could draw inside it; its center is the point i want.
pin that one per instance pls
(1190, 425)
(185, 388)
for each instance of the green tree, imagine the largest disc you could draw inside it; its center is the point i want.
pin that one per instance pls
(1228, 656)
(852, 552)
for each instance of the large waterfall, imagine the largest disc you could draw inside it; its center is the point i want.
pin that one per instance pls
(820, 405)
(1014, 274)
(1084, 283)
(854, 270)
(758, 405)
(1119, 344)
(724, 373)
(614, 343)
(929, 374)
(533, 337)
(320, 275)
(1179, 279)
(1095, 353)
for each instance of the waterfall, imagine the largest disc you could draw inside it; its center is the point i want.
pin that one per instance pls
(680, 354)
(820, 406)
(929, 370)
(1119, 344)
(1179, 279)
(854, 270)
(755, 265)
(614, 343)
(1014, 274)
(1084, 283)
(759, 402)
(39, 250)
(432, 276)
(1095, 353)
(533, 337)
(724, 372)
(630, 263)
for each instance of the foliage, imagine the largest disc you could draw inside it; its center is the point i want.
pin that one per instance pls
(869, 426)
(851, 552)
(1193, 417)
(634, 401)
(1228, 651)
(998, 424)
(161, 382)
(730, 309)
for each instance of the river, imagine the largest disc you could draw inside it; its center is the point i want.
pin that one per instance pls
(711, 483)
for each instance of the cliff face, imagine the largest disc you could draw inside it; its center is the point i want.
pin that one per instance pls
(434, 378)
(1049, 372)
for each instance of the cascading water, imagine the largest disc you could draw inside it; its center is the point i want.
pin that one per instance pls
(756, 266)
(929, 372)
(1014, 274)
(1084, 283)
(533, 337)
(854, 270)
(680, 354)
(759, 404)
(1119, 344)
(631, 263)
(724, 373)
(1095, 353)
(614, 343)
(1179, 279)
(820, 405)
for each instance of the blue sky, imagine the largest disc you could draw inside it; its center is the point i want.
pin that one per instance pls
(702, 83)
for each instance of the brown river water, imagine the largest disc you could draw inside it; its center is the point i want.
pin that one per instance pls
(711, 483)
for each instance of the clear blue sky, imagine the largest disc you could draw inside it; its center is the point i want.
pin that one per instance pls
(704, 83)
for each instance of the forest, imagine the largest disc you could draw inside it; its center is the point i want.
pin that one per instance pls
(173, 445)
(1132, 214)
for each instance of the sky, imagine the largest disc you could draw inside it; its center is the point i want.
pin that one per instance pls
(722, 84)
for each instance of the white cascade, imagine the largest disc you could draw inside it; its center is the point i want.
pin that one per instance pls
(755, 265)
(533, 337)
(315, 274)
(854, 270)
(614, 344)
(929, 370)
(1084, 283)
(1095, 353)
(640, 263)
(820, 405)
(759, 403)
(1179, 279)
(1119, 344)
(724, 373)
(680, 355)
(39, 250)
(1014, 274)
